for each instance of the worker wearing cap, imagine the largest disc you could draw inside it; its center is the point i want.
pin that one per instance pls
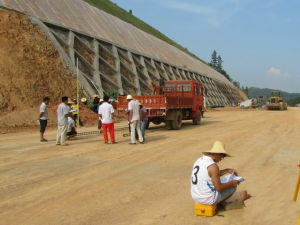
(206, 185)
(134, 119)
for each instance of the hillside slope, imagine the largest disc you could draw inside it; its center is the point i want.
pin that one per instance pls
(122, 14)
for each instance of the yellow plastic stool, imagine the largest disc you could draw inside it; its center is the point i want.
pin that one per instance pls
(205, 210)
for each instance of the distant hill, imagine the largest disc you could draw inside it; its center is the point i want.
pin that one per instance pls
(291, 98)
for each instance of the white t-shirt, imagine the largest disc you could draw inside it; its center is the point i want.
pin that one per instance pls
(202, 188)
(44, 110)
(134, 106)
(106, 110)
(71, 124)
(62, 110)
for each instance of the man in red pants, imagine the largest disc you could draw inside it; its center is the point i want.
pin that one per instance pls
(106, 113)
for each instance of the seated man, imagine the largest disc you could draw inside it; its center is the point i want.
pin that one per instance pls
(206, 185)
(71, 130)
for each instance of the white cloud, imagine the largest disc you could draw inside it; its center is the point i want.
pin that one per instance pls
(274, 71)
(277, 73)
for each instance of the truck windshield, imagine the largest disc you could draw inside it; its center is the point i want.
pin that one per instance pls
(169, 88)
(183, 88)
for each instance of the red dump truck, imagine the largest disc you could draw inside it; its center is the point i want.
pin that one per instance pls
(171, 103)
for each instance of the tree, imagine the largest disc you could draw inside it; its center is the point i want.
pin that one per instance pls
(216, 63)
(236, 83)
(247, 91)
(214, 59)
(130, 11)
(219, 64)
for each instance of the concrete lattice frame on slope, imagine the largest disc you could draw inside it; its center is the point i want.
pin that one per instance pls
(104, 66)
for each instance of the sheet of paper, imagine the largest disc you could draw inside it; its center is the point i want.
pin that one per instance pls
(230, 177)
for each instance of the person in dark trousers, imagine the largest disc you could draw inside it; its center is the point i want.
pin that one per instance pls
(96, 103)
(143, 120)
(43, 118)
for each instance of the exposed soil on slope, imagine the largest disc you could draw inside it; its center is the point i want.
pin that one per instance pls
(30, 68)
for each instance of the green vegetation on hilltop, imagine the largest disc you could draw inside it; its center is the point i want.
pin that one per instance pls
(122, 14)
(294, 101)
(290, 98)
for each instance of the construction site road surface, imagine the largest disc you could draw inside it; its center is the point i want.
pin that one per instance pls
(89, 183)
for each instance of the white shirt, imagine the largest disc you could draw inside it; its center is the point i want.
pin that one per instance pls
(106, 110)
(71, 124)
(134, 106)
(202, 188)
(62, 110)
(44, 110)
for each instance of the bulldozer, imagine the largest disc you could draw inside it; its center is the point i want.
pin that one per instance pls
(275, 102)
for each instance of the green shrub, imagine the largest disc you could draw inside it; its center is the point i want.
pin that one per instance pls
(90, 104)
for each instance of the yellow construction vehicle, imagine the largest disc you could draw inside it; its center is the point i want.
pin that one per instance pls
(275, 102)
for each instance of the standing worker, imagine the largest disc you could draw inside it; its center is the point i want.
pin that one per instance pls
(43, 118)
(62, 121)
(134, 119)
(99, 118)
(106, 113)
(143, 120)
(95, 102)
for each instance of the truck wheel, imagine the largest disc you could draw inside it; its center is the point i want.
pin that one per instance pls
(197, 119)
(177, 122)
(169, 124)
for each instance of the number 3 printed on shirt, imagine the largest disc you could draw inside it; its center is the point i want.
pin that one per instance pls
(194, 177)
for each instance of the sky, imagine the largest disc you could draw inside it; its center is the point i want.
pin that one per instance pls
(258, 40)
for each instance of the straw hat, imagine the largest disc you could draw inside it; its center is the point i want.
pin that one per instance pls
(70, 101)
(129, 97)
(83, 100)
(101, 100)
(218, 147)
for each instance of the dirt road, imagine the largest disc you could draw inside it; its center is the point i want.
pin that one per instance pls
(91, 183)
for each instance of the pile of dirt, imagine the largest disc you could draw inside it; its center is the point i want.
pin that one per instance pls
(30, 68)
(229, 108)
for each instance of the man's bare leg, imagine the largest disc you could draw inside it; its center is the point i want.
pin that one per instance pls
(245, 195)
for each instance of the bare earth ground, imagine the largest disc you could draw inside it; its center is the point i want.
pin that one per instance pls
(91, 183)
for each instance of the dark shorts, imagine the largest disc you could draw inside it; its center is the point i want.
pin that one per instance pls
(43, 125)
(99, 124)
(72, 132)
